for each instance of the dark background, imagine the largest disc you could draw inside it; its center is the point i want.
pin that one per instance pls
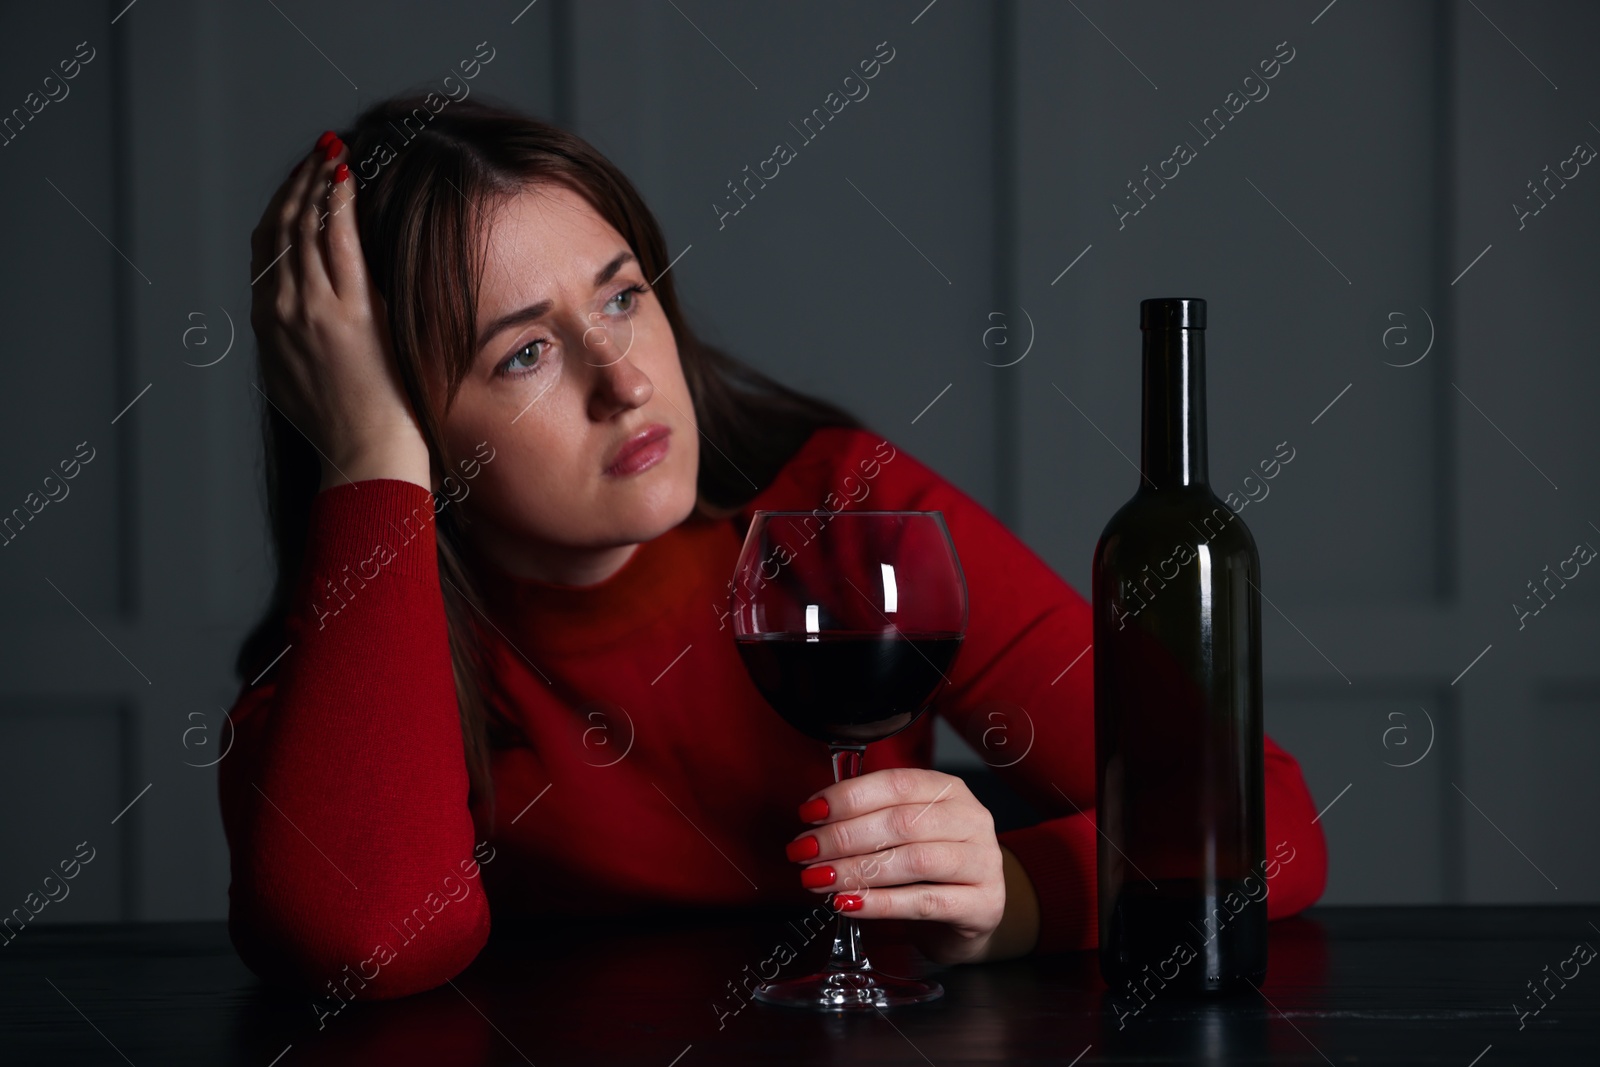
(1359, 216)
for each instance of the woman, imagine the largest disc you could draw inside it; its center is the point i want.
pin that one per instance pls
(508, 486)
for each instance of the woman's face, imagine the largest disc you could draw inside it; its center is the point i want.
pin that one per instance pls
(575, 359)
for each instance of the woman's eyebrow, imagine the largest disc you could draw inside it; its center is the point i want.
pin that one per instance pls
(535, 311)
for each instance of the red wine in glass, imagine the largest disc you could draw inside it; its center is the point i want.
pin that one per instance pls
(848, 622)
(848, 687)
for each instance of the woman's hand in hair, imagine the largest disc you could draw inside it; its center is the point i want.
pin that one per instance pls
(327, 363)
(909, 843)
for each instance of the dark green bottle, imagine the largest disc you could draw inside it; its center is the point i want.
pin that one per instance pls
(1177, 695)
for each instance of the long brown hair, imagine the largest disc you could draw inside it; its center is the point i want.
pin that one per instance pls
(424, 177)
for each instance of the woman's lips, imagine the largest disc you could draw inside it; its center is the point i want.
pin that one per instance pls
(642, 451)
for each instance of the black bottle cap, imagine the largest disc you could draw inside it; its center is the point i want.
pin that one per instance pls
(1172, 313)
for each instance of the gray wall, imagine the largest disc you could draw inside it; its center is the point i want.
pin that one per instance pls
(1331, 227)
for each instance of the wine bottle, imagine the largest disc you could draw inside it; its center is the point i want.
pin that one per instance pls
(1177, 702)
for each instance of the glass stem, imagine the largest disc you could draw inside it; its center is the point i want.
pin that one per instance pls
(847, 954)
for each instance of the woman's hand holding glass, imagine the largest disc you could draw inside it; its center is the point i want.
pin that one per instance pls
(908, 843)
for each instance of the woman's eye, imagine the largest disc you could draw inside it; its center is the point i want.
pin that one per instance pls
(630, 296)
(521, 361)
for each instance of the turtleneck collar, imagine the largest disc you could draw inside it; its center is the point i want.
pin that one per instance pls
(697, 554)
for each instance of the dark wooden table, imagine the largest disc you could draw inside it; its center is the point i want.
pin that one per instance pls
(1392, 985)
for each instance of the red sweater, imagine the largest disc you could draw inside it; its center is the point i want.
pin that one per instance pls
(655, 774)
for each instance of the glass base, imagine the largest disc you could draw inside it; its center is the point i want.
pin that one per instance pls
(861, 990)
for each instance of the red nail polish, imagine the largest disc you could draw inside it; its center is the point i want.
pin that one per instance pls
(814, 810)
(327, 138)
(816, 877)
(847, 902)
(334, 147)
(341, 172)
(806, 848)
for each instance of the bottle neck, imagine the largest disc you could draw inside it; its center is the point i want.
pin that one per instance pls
(1173, 448)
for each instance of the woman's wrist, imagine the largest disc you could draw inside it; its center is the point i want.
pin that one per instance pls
(1018, 931)
(406, 461)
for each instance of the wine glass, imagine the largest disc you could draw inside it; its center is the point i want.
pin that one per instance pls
(847, 622)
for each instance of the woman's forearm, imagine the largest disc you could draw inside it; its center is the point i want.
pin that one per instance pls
(345, 797)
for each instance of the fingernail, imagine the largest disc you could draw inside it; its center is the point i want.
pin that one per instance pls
(341, 172)
(805, 848)
(327, 138)
(814, 810)
(847, 902)
(334, 147)
(816, 877)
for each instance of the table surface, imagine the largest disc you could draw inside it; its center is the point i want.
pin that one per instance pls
(1374, 985)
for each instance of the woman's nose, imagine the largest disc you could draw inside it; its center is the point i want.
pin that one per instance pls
(618, 384)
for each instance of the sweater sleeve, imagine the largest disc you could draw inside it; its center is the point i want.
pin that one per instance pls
(344, 795)
(1022, 695)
